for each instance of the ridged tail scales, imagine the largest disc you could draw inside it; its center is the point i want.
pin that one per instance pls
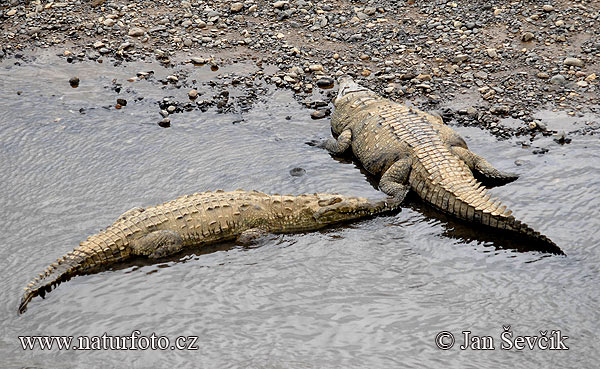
(96, 251)
(444, 181)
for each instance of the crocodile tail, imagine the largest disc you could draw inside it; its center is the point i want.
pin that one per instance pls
(471, 202)
(97, 250)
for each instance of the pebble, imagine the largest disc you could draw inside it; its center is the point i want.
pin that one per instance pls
(543, 75)
(548, 8)
(527, 36)
(193, 94)
(481, 75)
(591, 77)
(74, 82)
(136, 32)
(280, 4)
(492, 53)
(558, 79)
(122, 102)
(198, 61)
(318, 114)
(325, 82)
(236, 7)
(166, 122)
(11, 12)
(500, 109)
(315, 68)
(573, 62)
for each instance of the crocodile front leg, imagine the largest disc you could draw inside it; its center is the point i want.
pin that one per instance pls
(158, 244)
(340, 145)
(478, 164)
(394, 180)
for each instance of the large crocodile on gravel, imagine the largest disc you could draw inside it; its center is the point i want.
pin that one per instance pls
(409, 149)
(201, 219)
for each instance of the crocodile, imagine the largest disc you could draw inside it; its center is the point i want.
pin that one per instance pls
(202, 219)
(408, 149)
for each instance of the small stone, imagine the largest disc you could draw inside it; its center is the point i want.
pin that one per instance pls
(336, 56)
(481, 75)
(136, 32)
(297, 172)
(591, 77)
(575, 62)
(187, 42)
(500, 109)
(166, 122)
(558, 79)
(236, 7)
(74, 82)
(325, 82)
(122, 102)
(388, 90)
(198, 61)
(193, 94)
(164, 113)
(365, 73)
(317, 114)
(492, 53)
(186, 23)
(98, 44)
(472, 112)
(370, 10)
(543, 75)
(279, 4)
(171, 109)
(109, 22)
(560, 23)
(582, 84)
(548, 8)
(527, 36)
(460, 58)
(315, 68)
(11, 12)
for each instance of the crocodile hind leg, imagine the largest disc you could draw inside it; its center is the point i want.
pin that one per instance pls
(394, 181)
(482, 167)
(157, 244)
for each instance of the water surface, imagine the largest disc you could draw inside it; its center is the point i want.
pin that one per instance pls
(372, 294)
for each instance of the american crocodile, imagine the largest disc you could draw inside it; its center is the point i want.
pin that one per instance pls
(200, 219)
(409, 149)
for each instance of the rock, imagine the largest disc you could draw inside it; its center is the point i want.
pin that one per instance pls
(370, 10)
(548, 8)
(325, 82)
(74, 82)
(198, 61)
(187, 42)
(122, 102)
(11, 12)
(527, 36)
(460, 58)
(109, 22)
(193, 94)
(492, 53)
(297, 172)
(500, 109)
(186, 23)
(481, 75)
(318, 114)
(315, 68)
(171, 109)
(236, 7)
(562, 138)
(472, 112)
(558, 79)
(98, 44)
(136, 32)
(543, 75)
(582, 84)
(575, 62)
(365, 73)
(280, 4)
(166, 122)
(591, 77)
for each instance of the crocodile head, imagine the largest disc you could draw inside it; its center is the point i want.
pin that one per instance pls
(346, 86)
(333, 209)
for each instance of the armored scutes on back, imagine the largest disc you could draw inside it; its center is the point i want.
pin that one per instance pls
(200, 219)
(412, 150)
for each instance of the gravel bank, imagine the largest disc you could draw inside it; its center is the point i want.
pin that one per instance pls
(477, 63)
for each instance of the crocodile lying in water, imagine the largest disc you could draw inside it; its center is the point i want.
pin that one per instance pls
(201, 219)
(412, 150)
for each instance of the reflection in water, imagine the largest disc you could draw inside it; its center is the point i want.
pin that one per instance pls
(369, 294)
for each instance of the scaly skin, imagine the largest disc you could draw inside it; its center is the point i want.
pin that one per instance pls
(200, 219)
(412, 150)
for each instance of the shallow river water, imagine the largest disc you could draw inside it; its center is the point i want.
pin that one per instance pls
(372, 294)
